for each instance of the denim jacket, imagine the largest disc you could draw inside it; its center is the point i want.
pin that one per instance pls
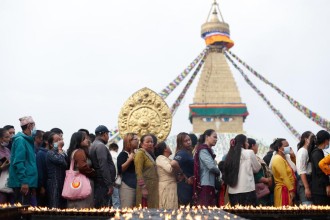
(208, 168)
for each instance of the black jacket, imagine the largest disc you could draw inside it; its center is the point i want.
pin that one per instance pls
(319, 180)
(102, 163)
(268, 157)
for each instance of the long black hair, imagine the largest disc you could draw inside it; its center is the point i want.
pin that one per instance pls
(202, 137)
(312, 146)
(321, 137)
(75, 142)
(233, 160)
(277, 144)
(251, 142)
(304, 136)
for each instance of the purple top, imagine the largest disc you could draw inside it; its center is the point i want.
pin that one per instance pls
(4, 152)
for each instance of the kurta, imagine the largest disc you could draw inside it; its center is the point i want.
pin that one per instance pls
(168, 197)
(146, 171)
(284, 181)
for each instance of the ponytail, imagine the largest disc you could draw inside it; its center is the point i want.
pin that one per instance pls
(202, 137)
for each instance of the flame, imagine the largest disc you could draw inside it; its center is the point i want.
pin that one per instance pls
(194, 212)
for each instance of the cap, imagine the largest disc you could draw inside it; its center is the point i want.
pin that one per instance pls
(26, 120)
(100, 129)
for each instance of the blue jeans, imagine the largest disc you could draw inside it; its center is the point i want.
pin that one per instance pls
(301, 191)
(116, 198)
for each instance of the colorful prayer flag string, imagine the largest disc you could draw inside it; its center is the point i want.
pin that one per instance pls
(178, 101)
(324, 123)
(113, 135)
(276, 112)
(172, 85)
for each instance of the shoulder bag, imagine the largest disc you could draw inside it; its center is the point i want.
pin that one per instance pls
(76, 185)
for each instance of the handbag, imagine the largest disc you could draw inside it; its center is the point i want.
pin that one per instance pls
(4, 182)
(261, 190)
(76, 185)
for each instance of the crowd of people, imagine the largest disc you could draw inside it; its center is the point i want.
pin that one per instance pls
(33, 166)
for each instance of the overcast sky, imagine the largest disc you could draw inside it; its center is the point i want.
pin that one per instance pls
(73, 64)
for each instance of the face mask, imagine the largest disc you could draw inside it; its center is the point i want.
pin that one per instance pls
(326, 147)
(55, 146)
(286, 150)
(34, 131)
(4, 144)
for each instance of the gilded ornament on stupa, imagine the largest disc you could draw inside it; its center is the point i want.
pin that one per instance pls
(145, 112)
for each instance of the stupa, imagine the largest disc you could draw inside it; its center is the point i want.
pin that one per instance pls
(217, 103)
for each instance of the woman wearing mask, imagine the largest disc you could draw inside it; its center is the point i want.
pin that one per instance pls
(146, 174)
(320, 181)
(289, 156)
(304, 168)
(126, 169)
(183, 164)
(168, 197)
(285, 182)
(4, 163)
(79, 153)
(56, 161)
(240, 165)
(205, 169)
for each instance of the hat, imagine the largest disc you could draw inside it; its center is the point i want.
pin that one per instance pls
(100, 129)
(26, 120)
